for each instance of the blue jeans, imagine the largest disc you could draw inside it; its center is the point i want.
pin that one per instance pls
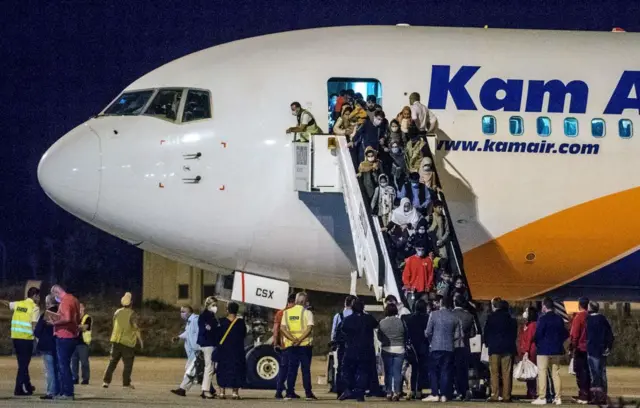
(50, 362)
(79, 359)
(284, 370)
(392, 372)
(441, 373)
(598, 371)
(299, 356)
(65, 349)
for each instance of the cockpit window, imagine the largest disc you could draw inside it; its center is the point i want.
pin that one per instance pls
(198, 106)
(129, 103)
(166, 104)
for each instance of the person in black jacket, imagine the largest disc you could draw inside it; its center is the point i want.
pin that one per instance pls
(359, 351)
(549, 338)
(207, 334)
(599, 344)
(419, 357)
(500, 334)
(47, 347)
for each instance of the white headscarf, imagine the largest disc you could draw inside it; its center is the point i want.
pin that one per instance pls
(401, 217)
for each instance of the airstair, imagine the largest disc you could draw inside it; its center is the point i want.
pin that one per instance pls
(324, 167)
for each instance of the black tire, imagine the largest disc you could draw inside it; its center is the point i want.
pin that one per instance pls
(263, 365)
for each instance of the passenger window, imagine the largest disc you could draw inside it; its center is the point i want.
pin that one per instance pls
(129, 103)
(598, 127)
(516, 125)
(543, 126)
(625, 128)
(489, 125)
(571, 127)
(197, 106)
(340, 90)
(165, 105)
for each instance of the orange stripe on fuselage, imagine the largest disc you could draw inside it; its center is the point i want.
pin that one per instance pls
(566, 245)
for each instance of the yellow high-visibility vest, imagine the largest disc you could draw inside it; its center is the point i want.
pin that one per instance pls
(21, 328)
(123, 331)
(86, 335)
(296, 324)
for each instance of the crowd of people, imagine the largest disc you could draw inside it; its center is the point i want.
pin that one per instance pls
(398, 183)
(434, 340)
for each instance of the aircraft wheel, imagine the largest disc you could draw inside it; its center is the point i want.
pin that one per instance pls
(263, 366)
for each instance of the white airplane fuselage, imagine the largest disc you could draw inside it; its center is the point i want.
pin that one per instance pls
(124, 174)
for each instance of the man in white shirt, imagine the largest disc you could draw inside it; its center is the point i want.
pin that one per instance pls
(424, 119)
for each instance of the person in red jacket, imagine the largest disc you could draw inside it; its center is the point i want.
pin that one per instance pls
(527, 347)
(418, 273)
(578, 348)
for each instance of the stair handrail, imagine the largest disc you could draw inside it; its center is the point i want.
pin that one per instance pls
(366, 244)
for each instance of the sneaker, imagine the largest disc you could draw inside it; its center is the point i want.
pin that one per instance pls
(105, 385)
(443, 399)
(581, 402)
(310, 397)
(179, 392)
(539, 401)
(557, 401)
(431, 398)
(289, 397)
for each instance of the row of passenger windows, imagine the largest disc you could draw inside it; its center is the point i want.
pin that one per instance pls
(543, 126)
(166, 104)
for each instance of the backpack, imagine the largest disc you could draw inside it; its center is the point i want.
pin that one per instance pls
(339, 336)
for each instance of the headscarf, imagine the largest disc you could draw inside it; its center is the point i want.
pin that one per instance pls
(395, 136)
(427, 177)
(126, 299)
(401, 217)
(366, 165)
(404, 122)
(398, 158)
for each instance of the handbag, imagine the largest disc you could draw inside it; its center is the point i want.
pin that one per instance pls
(216, 351)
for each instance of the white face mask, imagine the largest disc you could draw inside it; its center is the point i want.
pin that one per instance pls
(394, 129)
(370, 158)
(213, 309)
(525, 315)
(395, 149)
(421, 231)
(377, 121)
(420, 253)
(383, 184)
(294, 113)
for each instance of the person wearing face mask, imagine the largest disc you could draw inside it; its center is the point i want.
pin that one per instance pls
(405, 216)
(418, 193)
(368, 172)
(395, 135)
(207, 332)
(414, 150)
(383, 198)
(404, 119)
(343, 126)
(427, 175)
(460, 289)
(421, 239)
(418, 273)
(306, 126)
(439, 230)
(421, 115)
(398, 165)
(368, 134)
(372, 106)
(527, 347)
(190, 338)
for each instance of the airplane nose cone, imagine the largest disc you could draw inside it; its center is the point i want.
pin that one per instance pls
(70, 171)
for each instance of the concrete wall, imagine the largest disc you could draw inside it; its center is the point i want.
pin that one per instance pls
(164, 279)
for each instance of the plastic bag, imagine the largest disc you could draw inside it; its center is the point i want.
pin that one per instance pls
(525, 370)
(484, 355)
(571, 370)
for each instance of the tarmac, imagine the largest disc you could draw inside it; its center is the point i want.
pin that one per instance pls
(153, 378)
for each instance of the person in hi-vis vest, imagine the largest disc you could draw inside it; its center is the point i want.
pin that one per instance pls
(80, 357)
(26, 314)
(297, 329)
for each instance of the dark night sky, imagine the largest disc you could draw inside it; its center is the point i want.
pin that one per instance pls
(63, 61)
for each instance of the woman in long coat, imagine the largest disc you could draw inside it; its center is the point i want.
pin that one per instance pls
(231, 372)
